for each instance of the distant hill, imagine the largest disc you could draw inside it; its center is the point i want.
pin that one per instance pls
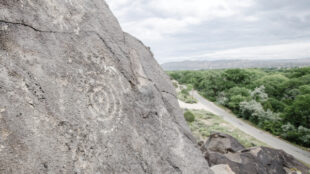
(225, 64)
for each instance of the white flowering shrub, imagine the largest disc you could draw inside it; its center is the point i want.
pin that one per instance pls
(222, 99)
(304, 134)
(255, 112)
(288, 127)
(251, 109)
(259, 94)
(289, 131)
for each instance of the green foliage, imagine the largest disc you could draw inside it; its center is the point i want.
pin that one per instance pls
(185, 91)
(186, 98)
(184, 94)
(305, 89)
(189, 116)
(175, 84)
(270, 98)
(299, 112)
(274, 105)
(236, 77)
(235, 101)
(272, 83)
(259, 94)
(299, 72)
(300, 135)
(238, 91)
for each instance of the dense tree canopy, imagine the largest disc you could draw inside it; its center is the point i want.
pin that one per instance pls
(277, 100)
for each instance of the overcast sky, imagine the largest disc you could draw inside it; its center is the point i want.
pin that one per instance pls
(179, 30)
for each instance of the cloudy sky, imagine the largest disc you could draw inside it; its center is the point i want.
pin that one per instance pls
(178, 30)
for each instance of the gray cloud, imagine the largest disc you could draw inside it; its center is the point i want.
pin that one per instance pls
(199, 29)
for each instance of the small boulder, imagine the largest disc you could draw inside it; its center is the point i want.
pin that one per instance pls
(222, 143)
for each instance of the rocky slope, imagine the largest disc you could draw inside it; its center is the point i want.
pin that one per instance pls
(78, 95)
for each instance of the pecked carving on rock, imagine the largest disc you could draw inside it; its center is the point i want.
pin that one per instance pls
(77, 95)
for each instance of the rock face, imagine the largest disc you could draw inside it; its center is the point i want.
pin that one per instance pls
(80, 96)
(222, 169)
(260, 160)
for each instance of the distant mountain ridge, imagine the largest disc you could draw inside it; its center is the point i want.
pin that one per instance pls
(241, 63)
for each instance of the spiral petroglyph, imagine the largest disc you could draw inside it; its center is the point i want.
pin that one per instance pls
(106, 101)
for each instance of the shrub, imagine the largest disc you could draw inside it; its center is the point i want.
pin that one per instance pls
(222, 99)
(185, 92)
(238, 91)
(251, 110)
(299, 112)
(235, 101)
(304, 135)
(305, 89)
(255, 112)
(276, 105)
(259, 94)
(175, 84)
(189, 116)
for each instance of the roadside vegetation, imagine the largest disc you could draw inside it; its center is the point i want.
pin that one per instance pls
(276, 100)
(189, 116)
(183, 92)
(206, 123)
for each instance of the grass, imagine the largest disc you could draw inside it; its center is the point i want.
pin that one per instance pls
(186, 98)
(206, 123)
(183, 94)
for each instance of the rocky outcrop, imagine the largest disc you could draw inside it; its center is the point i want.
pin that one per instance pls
(223, 143)
(80, 96)
(260, 160)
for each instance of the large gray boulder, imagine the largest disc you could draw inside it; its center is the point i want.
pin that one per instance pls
(80, 96)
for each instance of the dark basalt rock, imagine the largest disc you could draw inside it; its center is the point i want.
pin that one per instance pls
(256, 160)
(222, 143)
(80, 96)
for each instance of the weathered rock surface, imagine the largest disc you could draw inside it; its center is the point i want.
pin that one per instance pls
(80, 96)
(222, 169)
(260, 160)
(223, 143)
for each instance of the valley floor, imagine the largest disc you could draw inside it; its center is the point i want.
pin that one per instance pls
(260, 135)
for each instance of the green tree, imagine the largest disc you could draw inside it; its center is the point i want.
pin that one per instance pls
(236, 77)
(305, 89)
(259, 94)
(275, 105)
(238, 91)
(299, 72)
(299, 112)
(235, 101)
(272, 84)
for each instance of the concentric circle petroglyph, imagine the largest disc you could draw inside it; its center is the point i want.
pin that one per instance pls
(105, 101)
